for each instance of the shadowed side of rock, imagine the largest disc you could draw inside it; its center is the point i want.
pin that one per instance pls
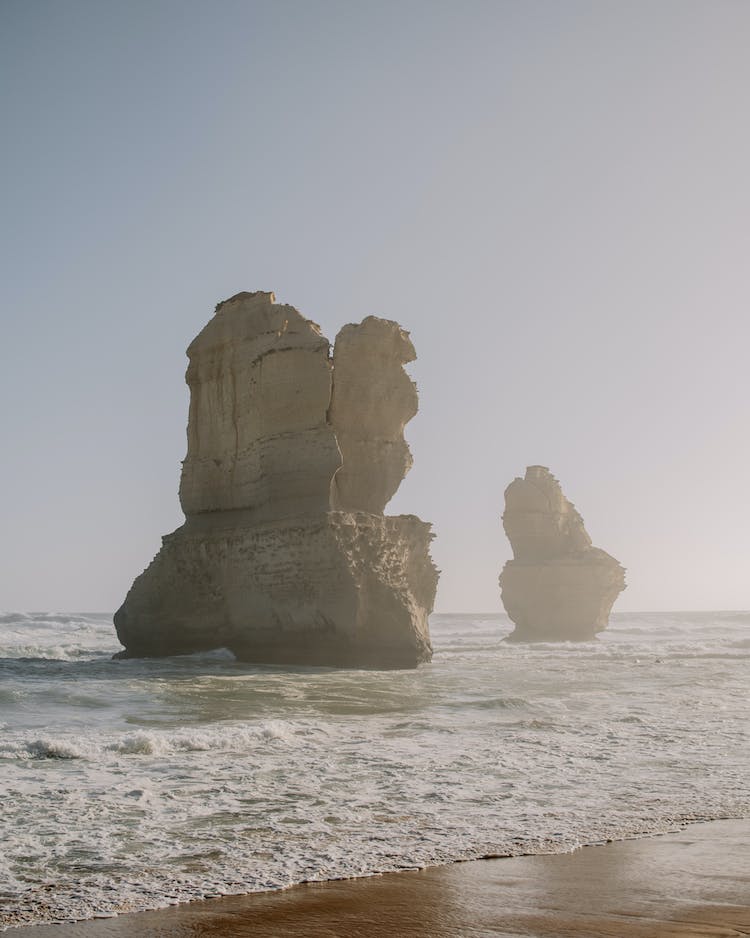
(558, 587)
(340, 589)
(268, 562)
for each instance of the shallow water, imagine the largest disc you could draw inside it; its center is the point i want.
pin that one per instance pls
(138, 784)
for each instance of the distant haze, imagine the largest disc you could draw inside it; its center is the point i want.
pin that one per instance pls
(552, 197)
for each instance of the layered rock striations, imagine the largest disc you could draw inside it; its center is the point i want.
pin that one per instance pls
(259, 440)
(558, 587)
(285, 555)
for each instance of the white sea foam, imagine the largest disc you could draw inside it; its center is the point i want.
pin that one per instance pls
(56, 636)
(103, 748)
(138, 784)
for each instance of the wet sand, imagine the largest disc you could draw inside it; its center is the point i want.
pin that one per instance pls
(694, 883)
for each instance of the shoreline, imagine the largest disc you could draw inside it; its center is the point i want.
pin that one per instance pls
(694, 883)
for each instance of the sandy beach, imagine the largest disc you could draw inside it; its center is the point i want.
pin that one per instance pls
(692, 883)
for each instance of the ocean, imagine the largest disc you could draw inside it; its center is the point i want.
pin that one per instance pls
(144, 783)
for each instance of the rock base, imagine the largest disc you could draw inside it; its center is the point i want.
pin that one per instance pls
(568, 599)
(345, 589)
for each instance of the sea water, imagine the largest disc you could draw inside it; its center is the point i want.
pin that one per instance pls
(139, 784)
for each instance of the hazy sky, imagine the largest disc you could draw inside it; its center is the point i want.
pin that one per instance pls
(553, 197)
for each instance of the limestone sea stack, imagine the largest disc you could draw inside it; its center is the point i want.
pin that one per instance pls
(293, 451)
(557, 587)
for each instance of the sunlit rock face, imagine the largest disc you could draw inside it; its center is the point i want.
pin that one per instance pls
(258, 436)
(373, 399)
(557, 587)
(285, 556)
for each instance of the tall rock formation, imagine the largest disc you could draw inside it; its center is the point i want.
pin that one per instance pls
(285, 555)
(557, 587)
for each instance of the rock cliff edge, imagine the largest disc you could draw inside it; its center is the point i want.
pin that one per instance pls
(293, 452)
(557, 587)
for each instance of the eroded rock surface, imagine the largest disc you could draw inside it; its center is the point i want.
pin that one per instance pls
(258, 437)
(373, 399)
(285, 555)
(558, 587)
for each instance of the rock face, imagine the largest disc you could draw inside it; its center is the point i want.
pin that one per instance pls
(373, 399)
(285, 555)
(557, 587)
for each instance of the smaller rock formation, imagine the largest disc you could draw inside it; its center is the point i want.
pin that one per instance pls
(557, 587)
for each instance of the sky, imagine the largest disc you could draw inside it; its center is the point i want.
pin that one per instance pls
(553, 197)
